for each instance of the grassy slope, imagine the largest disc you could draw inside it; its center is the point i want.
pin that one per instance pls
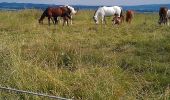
(84, 61)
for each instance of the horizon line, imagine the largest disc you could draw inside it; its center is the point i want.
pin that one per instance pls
(87, 5)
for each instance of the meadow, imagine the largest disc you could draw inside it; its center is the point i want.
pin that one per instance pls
(84, 61)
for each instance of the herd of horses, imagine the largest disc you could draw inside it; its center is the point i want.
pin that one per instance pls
(53, 13)
(66, 13)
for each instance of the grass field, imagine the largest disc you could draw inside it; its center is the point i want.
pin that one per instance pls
(84, 61)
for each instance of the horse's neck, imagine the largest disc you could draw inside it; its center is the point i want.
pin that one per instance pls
(97, 13)
(43, 15)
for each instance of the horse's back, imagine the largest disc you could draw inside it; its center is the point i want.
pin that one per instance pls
(50, 11)
(57, 11)
(109, 11)
(117, 7)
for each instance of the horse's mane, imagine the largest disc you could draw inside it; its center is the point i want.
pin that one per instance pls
(121, 13)
(44, 14)
(95, 11)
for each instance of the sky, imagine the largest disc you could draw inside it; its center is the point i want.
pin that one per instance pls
(92, 2)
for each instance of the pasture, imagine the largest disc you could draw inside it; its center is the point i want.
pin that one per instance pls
(84, 61)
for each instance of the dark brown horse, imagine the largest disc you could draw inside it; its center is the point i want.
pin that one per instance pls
(163, 18)
(54, 12)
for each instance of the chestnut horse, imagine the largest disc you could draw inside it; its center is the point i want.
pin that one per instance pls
(73, 12)
(129, 16)
(55, 12)
(118, 20)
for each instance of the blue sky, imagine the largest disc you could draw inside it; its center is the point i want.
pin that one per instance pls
(92, 2)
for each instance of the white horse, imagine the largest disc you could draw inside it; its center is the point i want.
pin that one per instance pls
(73, 12)
(107, 11)
(168, 15)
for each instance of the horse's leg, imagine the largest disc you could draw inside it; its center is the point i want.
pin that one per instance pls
(163, 20)
(71, 20)
(114, 20)
(66, 18)
(166, 20)
(58, 20)
(102, 19)
(168, 23)
(67, 21)
(130, 21)
(64, 21)
(53, 20)
(123, 18)
(105, 20)
(49, 20)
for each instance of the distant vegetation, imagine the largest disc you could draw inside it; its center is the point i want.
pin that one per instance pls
(84, 61)
(138, 8)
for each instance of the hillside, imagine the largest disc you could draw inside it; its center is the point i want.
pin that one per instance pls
(138, 8)
(84, 61)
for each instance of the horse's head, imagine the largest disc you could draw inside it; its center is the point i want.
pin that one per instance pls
(95, 19)
(73, 11)
(40, 21)
(117, 20)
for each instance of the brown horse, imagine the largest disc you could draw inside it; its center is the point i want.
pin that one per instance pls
(163, 18)
(54, 12)
(129, 16)
(118, 20)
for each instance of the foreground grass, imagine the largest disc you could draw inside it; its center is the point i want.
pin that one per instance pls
(84, 61)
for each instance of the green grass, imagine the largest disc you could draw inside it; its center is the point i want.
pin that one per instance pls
(84, 61)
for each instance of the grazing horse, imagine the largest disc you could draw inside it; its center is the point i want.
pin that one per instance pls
(163, 18)
(168, 14)
(73, 12)
(118, 20)
(107, 11)
(55, 12)
(129, 16)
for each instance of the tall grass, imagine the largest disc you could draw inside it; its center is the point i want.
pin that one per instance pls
(84, 61)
